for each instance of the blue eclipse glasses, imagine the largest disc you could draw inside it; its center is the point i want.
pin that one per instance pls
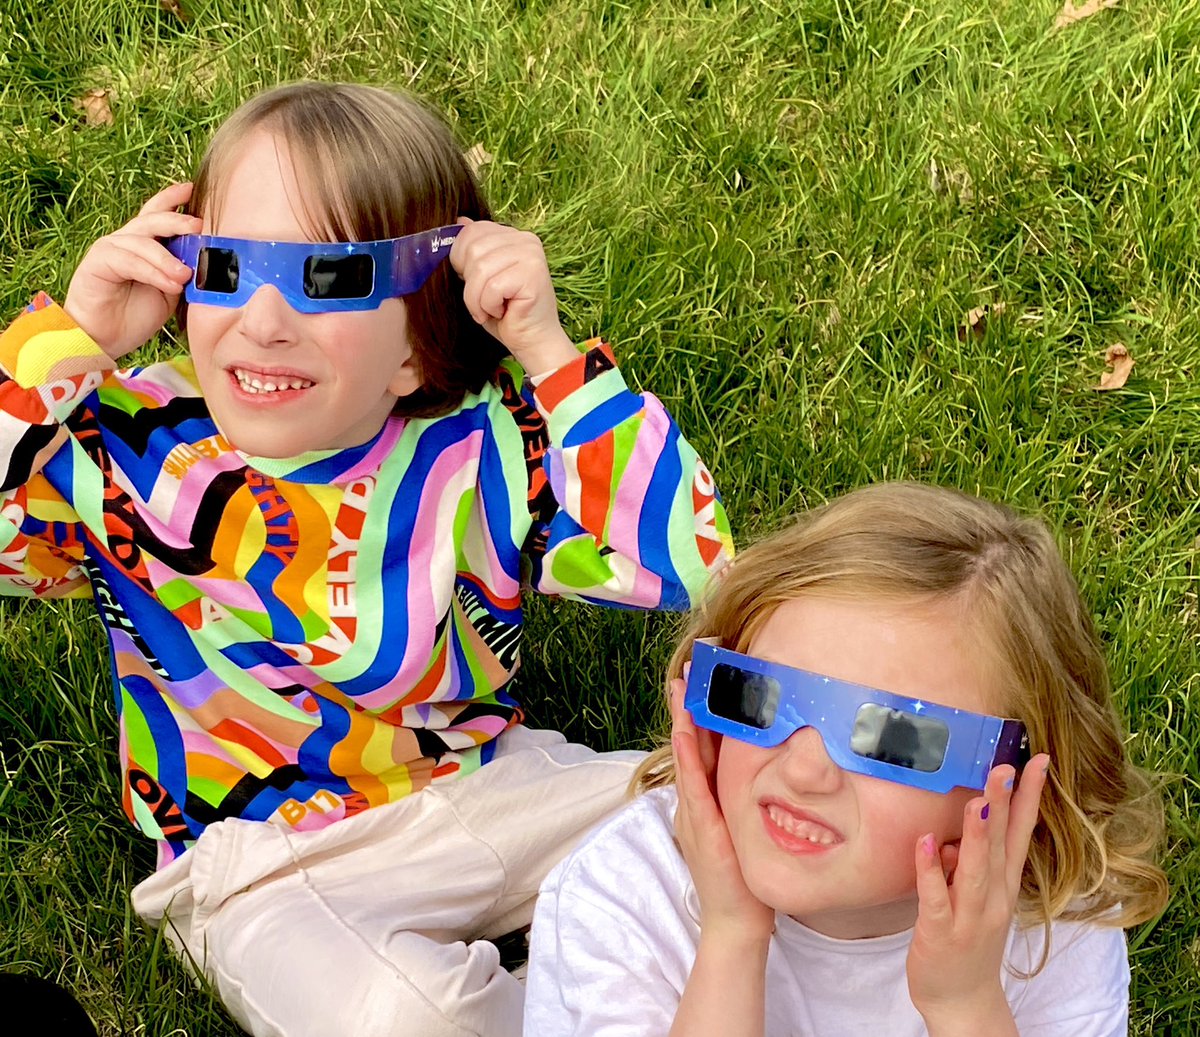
(314, 277)
(865, 730)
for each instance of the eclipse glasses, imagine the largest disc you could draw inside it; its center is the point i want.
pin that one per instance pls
(865, 730)
(314, 277)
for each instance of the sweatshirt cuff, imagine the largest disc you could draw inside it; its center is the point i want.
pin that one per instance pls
(581, 389)
(44, 346)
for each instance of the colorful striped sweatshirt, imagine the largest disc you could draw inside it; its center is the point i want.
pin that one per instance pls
(302, 639)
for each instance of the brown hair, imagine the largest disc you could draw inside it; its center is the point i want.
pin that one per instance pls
(374, 164)
(1092, 854)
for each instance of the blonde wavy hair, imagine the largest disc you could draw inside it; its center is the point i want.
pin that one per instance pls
(1092, 856)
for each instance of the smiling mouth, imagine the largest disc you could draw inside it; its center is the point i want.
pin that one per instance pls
(794, 831)
(256, 382)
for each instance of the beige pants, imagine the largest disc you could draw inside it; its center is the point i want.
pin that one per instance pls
(377, 925)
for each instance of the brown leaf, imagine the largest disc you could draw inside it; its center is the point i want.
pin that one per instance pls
(1118, 358)
(477, 157)
(97, 111)
(174, 7)
(975, 322)
(1070, 14)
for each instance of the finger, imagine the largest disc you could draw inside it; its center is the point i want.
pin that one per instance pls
(144, 261)
(1026, 806)
(503, 286)
(933, 895)
(708, 743)
(170, 197)
(949, 860)
(692, 782)
(972, 874)
(161, 225)
(484, 247)
(998, 793)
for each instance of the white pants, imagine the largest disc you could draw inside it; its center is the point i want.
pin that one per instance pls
(377, 925)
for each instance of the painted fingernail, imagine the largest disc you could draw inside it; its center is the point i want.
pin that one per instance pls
(1008, 784)
(983, 814)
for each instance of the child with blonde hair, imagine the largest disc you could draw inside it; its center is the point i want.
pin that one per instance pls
(307, 540)
(896, 801)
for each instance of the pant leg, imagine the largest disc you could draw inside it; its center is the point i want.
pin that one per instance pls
(371, 926)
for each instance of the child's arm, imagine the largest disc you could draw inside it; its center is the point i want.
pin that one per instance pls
(51, 359)
(625, 510)
(47, 367)
(957, 951)
(726, 992)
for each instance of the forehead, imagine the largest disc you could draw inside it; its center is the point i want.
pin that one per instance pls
(920, 649)
(259, 194)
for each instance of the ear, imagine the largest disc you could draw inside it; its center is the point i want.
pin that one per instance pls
(406, 379)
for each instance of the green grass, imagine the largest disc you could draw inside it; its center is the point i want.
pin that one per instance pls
(738, 194)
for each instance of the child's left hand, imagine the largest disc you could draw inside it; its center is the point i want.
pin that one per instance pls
(507, 289)
(963, 923)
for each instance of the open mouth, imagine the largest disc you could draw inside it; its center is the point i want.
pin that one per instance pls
(259, 383)
(797, 833)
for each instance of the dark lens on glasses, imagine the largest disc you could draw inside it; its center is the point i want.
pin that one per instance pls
(217, 270)
(745, 697)
(339, 277)
(904, 739)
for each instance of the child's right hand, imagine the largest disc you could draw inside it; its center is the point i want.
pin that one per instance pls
(728, 910)
(127, 284)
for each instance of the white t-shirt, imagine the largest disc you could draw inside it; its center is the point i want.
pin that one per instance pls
(615, 935)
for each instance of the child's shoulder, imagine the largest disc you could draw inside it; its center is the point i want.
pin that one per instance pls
(1087, 963)
(633, 849)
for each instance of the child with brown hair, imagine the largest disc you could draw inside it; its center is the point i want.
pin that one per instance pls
(848, 833)
(308, 539)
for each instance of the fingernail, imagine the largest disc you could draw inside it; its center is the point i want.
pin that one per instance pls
(928, 845)
(983, 814)
(1008, 784)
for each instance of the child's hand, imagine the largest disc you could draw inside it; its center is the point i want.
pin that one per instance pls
(127, 284)
(507, 289)
(728, 910)
(962, 927)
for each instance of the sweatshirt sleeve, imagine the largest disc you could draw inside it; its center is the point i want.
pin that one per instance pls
(633, 515)
(48, 366)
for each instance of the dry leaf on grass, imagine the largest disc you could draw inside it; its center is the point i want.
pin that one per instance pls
(944, 180)
(1118, 358)
(174, 7)
(1070, 14)
(97, 111)
(976, 321)
(477, 157)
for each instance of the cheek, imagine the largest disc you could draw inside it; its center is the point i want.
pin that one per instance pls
(205, 326)
(907, 814)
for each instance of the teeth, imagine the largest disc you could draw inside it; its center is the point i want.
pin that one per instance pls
(814, 833)
(260, 384)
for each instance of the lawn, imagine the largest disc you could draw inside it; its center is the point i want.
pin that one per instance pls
(786, 215)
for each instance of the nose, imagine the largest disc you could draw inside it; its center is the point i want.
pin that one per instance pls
(267, 319)
(805, 763)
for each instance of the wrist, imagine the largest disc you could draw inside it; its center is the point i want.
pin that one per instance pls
(545, 357)
(985, 1014)
(735, 940)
